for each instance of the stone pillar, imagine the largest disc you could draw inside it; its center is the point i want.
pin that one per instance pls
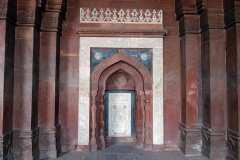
(214, 81)
(7, 43)
(232, 22)
(49, 127)
(190, 49)
(26, 75)
(190, 142)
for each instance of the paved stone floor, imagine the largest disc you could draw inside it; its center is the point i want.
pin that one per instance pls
(126, 151)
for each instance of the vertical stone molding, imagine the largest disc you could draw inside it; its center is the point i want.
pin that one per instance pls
(140, 119)
(93, 122)
(101, 124)
(148, 133)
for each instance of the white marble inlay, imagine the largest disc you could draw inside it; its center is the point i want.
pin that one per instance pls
(119, 115)
(84, 80)
(109, 15)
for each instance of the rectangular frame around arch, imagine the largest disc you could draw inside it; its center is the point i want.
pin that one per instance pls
(84, 80)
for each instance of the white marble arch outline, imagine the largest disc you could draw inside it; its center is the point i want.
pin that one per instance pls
(156, 44)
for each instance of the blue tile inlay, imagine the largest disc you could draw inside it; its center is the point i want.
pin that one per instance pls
(143, 56)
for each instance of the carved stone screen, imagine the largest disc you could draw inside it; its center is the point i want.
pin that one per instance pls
(119, 115)
(86, 43)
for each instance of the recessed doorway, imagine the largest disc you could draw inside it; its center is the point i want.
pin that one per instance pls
(119, 116)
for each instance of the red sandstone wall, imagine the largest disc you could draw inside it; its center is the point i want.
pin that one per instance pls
(69, 67)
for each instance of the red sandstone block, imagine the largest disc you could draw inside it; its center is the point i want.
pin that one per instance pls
(46, 102)
(73, 15)
(169, 19)
(124, 5)
(68, 115)
(151, 4)
(171, 125)
(70, 45)
(218, 108)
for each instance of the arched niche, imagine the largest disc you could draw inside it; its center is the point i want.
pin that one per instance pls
(107, 72)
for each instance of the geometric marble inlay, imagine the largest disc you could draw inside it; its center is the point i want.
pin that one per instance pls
(110, 15)
(86, 43)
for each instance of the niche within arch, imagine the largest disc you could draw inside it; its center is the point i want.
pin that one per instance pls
(143, 104)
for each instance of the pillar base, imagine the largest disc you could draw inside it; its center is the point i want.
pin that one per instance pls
(6, 146)
(214, 143)
(233, 145)
(49, 142)
(191, 140)
(25, 144)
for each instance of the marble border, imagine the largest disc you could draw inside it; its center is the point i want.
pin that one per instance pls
(84, 80)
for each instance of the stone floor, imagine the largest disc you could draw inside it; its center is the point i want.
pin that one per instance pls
(126, 151)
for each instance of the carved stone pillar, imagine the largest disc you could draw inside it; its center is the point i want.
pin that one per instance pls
(26, 75)
(93, 122)
(101, 122)
(232, 22)
(139, 119)
(189, 26)
(7, 43)
(49, 83)
(148, 135)
(214, 81)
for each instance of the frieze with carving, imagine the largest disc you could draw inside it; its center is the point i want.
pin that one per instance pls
(7, 10)
(29, 17)
(232, 16)
(109, 15)
(6, 146)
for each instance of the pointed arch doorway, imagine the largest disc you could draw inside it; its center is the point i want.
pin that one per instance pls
(121, 72)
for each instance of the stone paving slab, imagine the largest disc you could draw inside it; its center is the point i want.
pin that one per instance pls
(126, 151)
